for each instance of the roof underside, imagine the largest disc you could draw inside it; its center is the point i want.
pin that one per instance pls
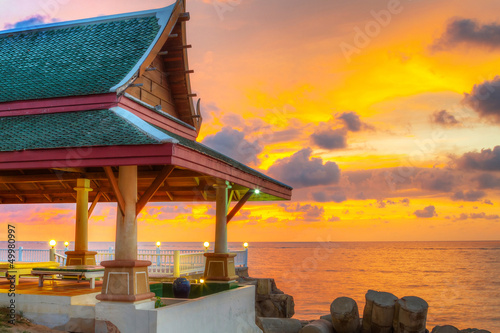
(73, 60)
(96, 129)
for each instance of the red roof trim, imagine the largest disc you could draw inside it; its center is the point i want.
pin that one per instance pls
(165, 154)
(62, 104)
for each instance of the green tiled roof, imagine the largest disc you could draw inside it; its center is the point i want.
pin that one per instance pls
(69, 129)
(73, 60)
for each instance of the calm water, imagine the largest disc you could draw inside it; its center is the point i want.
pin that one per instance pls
(459, 280)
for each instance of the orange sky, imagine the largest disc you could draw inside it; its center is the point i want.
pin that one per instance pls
(366, 98)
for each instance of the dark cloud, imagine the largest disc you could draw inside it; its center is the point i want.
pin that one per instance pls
(468, 196)
(334, 219)
(483, 215)
(467, 31)
(28, 22)
(323, 196)
(488, 202)
(444, 118)
(232, 143)
(487, 181)
(351, 120)
(427, 212)
(486, 160)
(405, 202)
(436, 180)
(485, 99)
(330, 138)
(300, 170)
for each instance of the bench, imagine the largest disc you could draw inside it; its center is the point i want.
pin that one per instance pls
(23, 268)
(82, 272)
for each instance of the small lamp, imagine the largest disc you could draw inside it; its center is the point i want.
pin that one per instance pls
(158, 244)
(66, 244)
(256, 191)
(206, 245)
(202, 281)
(53, 243)
(245, 245)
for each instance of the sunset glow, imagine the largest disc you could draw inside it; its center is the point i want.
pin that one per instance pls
(383, 115)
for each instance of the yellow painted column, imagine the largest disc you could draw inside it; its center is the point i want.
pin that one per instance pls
(126, 225)
(82, 214)
(221, 217)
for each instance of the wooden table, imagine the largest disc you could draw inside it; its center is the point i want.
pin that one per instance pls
(87, 272)
(24, 268)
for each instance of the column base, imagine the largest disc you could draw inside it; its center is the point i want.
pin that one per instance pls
(125, 281)
(219, 267)
(80, 257)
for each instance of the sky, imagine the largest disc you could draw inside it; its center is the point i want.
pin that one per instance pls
(383, 115)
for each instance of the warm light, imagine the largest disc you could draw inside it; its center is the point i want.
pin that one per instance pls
(202, 281)
(52, 243)
(206, 245)
(66, 244)
(158, 244)
(245, 245)
(256, 191)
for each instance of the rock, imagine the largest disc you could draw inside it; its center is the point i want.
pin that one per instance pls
(345, 315)
(318, 326)
(445, 329)
(474, 330)
(267, 308)
(378, 314)
(410, 315)
(275, 305)
(264, 286)
(279, 325)
(327, 317)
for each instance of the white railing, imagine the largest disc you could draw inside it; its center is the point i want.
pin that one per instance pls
(164, 262)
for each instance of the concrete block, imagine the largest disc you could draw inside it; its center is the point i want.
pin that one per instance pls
(445, 329)
(318, 326)
(345, 315)
(280, 325)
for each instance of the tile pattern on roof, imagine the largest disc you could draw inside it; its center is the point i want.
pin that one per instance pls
(69, 130)
(72, 61)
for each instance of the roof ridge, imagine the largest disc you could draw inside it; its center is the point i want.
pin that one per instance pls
(93, 20)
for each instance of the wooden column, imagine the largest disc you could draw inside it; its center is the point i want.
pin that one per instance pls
(126, 278)
(81, 255)
(219, 266)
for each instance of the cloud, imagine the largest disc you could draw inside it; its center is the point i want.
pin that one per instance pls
(29, 21)
(334, 219)
(487, 181)
(485, 99)
(232, 143)
(427, 212)
(468, 31)
(444, 118)
(351, 120)
(309, 212)
(468, 196)
(486, 160)
(488, 202)
(436, 180)
(330, 138)
(300, 170)
(337, 196)
(481, 215)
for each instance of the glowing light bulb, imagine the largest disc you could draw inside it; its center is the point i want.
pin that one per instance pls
(158, 244)
(245, 245)
(52, 243)
(256, 191)
(66, 244)
(206, 245)
(202, 281)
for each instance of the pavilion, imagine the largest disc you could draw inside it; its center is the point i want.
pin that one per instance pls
(101, 110)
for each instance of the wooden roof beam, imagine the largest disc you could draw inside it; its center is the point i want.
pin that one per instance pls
(94, 203)
(155, 185)
(240, 204)
(183, 17)
(116, 189)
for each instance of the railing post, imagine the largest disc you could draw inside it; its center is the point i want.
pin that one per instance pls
(158, 256)
(245, 264)
(111, 253)
(177, 263)
(52, 254)
(20, 256)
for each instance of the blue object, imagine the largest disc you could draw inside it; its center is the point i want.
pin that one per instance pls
(181, 288)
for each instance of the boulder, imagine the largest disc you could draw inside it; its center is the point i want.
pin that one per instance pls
(318, 326)
(445, 329)
(279, 325)
(345, 315)
(410, 315)
(275, 305)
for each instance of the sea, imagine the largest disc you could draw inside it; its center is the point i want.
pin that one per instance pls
(459, 280)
